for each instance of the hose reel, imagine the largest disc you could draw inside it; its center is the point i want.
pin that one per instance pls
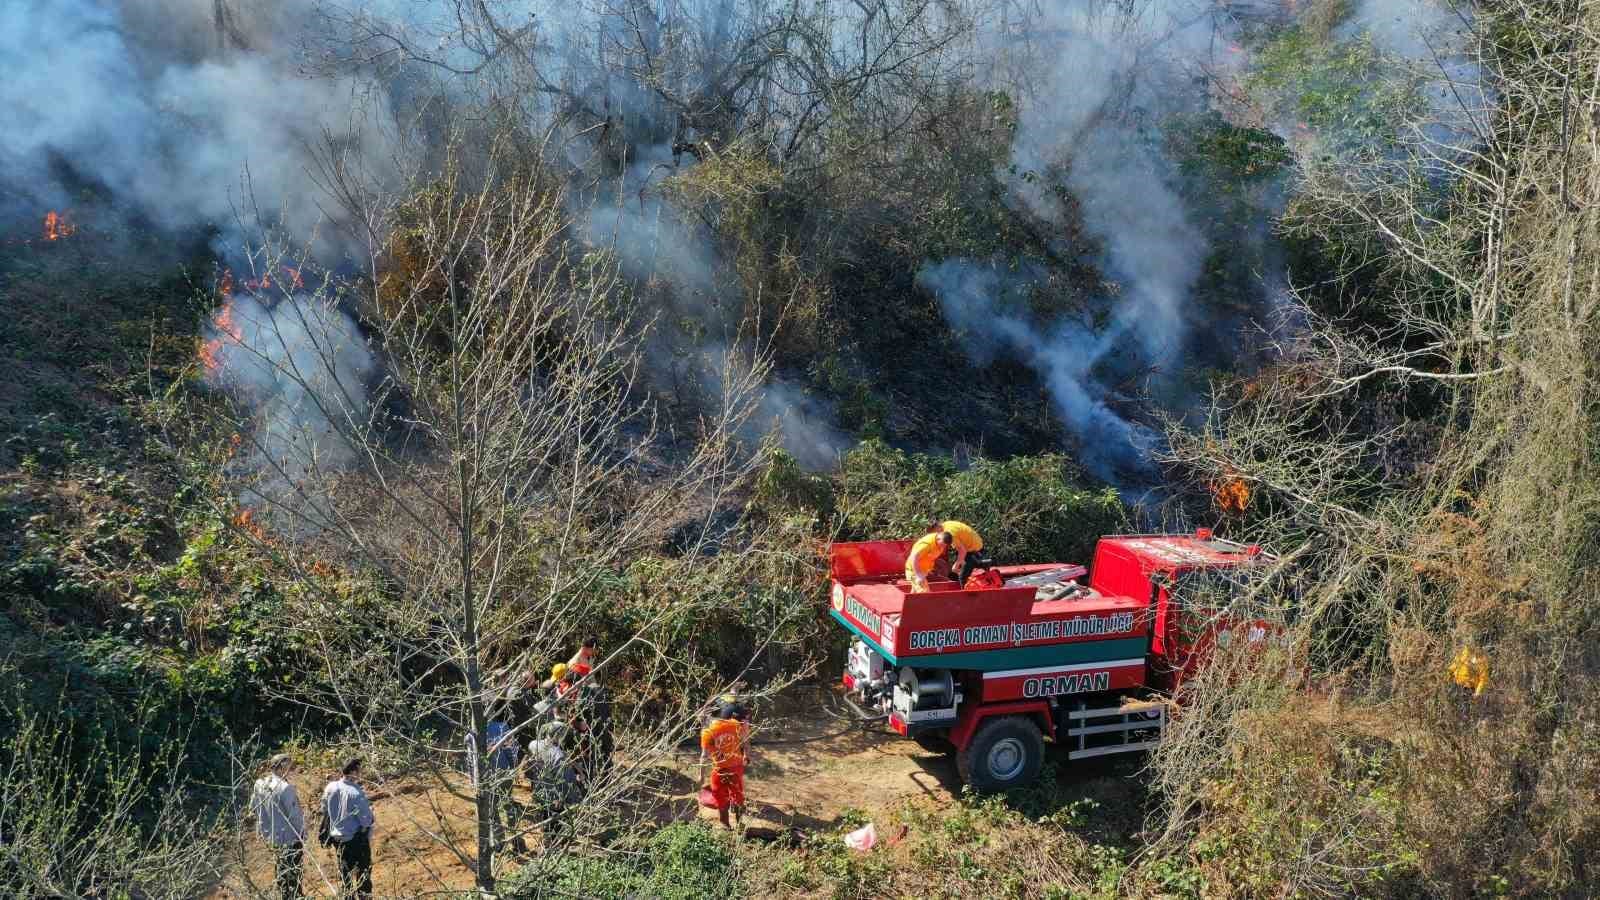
(928, 688)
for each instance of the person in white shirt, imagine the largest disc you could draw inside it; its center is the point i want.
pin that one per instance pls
(550, 774)
(350, 824)
(281, 823)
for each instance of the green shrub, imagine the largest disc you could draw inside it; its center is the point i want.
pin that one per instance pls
(682, 860)
(783, 486)
(689, 861)
(1032, 509)
(88, 814)
(573, 875)
(884, 492)
(1348, 92)
(1028, 509)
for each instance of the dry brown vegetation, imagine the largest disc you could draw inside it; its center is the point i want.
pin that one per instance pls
(1409, 785)
(514, 475)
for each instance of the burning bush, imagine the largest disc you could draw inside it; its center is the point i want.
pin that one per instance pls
(58, 225)
(1232, 494)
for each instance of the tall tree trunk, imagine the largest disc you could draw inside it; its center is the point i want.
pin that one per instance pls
(466, 472)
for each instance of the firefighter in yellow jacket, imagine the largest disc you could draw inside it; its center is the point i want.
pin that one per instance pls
(925, 554)
(967, 543)
(1470, 670)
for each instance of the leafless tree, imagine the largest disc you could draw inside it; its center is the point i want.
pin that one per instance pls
(689, 75)
(450, 484)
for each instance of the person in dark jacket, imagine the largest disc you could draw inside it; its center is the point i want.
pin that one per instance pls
(591, 736)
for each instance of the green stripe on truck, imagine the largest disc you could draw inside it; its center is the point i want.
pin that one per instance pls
(871, 641)
(1013, 657)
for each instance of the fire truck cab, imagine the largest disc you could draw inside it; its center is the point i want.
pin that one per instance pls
(1031, 653)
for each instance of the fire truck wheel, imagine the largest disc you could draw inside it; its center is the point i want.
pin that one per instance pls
(934, 741)
(1005, 752)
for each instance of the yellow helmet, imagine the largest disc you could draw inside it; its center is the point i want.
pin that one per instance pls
(558, 671)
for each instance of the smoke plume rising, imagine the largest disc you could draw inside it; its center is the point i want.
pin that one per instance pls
(202, 112)
(303, 368)
(186, 113)
(1095, 83)
(970, 293)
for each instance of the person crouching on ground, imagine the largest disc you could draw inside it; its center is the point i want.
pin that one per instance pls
(350, 824)
(726, 741)
(925, 554)
(281, 823)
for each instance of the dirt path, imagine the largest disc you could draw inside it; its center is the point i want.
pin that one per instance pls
(808, 766)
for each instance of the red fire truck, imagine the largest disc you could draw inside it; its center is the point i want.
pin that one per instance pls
(1029, 653)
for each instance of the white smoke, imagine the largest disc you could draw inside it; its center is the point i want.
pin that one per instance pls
(186, 113)
(1432, 39)
(971, 294)
(656, 242)
(649, 237)
(205, 115)
(1406, 29)
(303, 369)
(1093, 106)
(1094, 84)
(803, 423)
(1420, 46)
(652, 242)
(201, 112)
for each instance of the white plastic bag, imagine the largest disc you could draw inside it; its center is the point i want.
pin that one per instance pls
(863, 838)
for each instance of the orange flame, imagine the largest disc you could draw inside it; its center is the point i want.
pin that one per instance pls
(58, 226)
(1232, 494)
(223, 324)
(245, 521)
(291, 276)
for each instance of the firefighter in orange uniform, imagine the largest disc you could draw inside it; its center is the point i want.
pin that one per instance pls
(724, 741)
(925, 554)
